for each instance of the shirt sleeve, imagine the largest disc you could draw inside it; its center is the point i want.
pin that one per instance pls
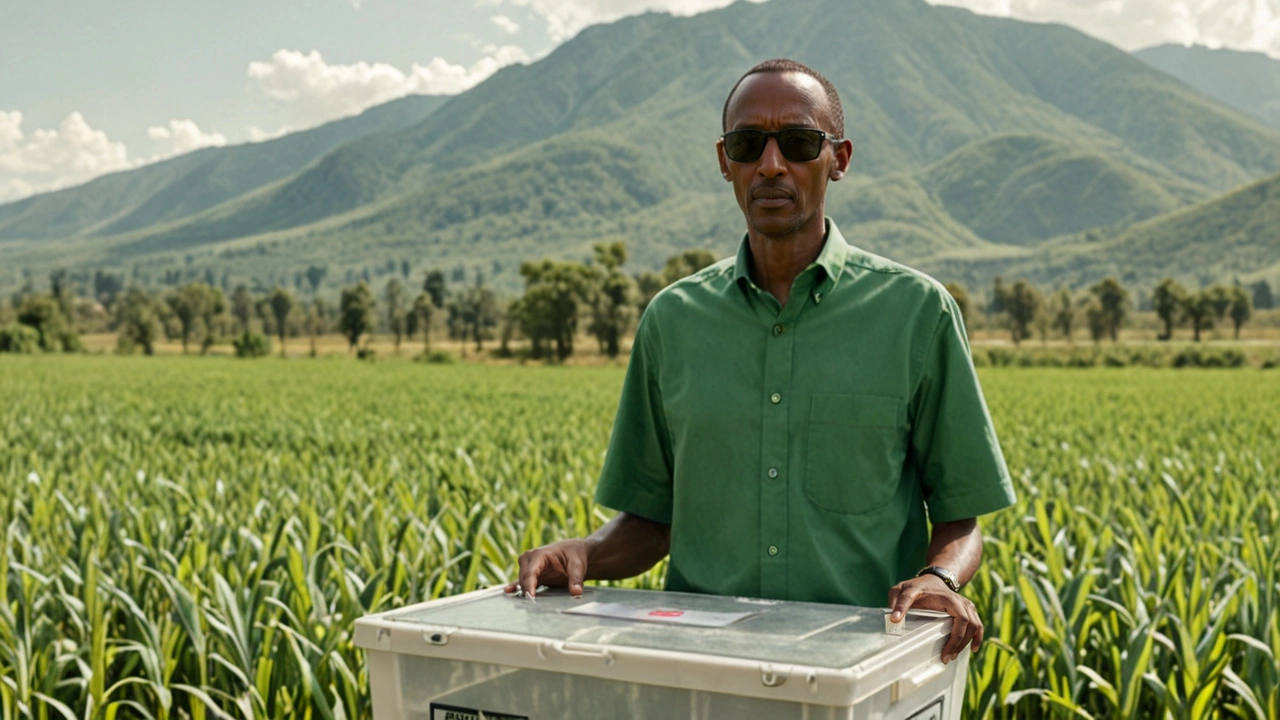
(637, 475)
(953, 439)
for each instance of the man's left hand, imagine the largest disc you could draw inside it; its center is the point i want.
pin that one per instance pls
(930, 593)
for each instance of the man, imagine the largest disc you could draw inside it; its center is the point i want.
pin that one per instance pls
(789, 416)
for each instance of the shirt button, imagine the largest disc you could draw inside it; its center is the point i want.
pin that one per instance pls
(817, 298)
(773, 473)
(773, 549)
(775, 398)
(777, 329)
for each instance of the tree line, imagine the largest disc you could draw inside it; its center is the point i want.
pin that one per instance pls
(560, 296)
(560, 299)
(1103, 308)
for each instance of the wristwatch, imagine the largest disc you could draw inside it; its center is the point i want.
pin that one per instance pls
(944, 574)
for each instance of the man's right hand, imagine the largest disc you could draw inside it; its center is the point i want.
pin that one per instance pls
(559, 564)
(624, 547)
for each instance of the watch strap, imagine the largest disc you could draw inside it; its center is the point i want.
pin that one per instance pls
(942, 574)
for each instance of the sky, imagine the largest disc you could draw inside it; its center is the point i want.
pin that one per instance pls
(95, 86)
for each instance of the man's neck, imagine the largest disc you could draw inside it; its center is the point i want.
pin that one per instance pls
(776, 261)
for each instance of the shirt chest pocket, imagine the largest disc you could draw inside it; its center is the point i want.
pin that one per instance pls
(857, 444)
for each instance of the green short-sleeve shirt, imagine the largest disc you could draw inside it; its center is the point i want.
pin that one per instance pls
(796, 451)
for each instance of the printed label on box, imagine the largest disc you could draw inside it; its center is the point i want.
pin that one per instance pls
(668, 616)
(452, 712)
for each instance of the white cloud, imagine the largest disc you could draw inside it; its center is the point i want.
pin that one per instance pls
(48, 159)
(565, 18)
(506, 23)
(257, 134)
(183, 136)
(1134, 24)
(75, 152)
(318, 91)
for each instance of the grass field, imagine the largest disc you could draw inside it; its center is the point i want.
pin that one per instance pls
(182, 534)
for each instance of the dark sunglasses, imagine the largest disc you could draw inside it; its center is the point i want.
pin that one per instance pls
(796, 145)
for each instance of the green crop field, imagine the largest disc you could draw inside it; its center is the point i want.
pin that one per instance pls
(194, 537)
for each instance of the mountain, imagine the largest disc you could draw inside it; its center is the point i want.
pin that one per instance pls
(1246, 81)
(975, 137)
(183, 186)
(1235, 235)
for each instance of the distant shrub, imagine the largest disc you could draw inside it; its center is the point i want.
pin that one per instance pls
(252, 345)
(18, 338)
(981, 360)
(368, 353)
(1270, 363)
(1210, 358)
(1000, 357)
(436, 357)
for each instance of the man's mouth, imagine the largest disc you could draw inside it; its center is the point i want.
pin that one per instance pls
(771, 197)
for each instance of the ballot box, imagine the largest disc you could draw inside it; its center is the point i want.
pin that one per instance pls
(656, 655)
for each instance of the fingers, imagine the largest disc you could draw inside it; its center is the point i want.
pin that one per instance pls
(958, 638)
(966, 626)
(902, 600)
(555, 565)
(577, 570)
(531, 565)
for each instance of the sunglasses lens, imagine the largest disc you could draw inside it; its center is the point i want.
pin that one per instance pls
(800, 145)
(744, 145)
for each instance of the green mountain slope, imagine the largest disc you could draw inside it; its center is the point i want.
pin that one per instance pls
(188, 184)
(974, 137)
(1246, 81)
(1234, 235)
(991, 185)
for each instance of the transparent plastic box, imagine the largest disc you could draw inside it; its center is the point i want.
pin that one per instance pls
(656, 655)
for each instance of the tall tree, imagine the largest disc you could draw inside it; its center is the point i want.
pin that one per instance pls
(43, 313)
(282, 303)
(1200, 309)
(395, 296)
(191, 304)
(1114, 300)
(242, 307)
(548, 310)
(316, 322)
(435, 286)
(1063, 309)
(1241, 308)
(420, 319)
(357, 312)
(1168, 300)
(1021, 304)
(138, 320)
(613, 302)
(212, 318)
(473, 313)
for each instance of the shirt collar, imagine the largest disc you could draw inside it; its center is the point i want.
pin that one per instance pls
(832, 260)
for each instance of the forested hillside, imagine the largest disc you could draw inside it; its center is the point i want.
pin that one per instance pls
(974, 137)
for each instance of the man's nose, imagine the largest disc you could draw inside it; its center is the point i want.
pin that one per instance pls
(772, 163)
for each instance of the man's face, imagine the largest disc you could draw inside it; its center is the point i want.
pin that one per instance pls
(778, 196)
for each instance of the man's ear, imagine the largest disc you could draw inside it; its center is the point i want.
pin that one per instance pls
(843, 156)
(724, 160)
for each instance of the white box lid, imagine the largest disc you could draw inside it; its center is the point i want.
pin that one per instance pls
(839, 652)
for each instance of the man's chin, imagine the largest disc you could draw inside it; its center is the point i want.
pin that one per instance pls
(771, 225)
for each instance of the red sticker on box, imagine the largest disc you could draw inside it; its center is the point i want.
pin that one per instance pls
(666, 613)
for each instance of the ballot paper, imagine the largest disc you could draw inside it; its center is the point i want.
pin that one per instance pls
(667, 616)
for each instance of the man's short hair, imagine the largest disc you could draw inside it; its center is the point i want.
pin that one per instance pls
(784, 65)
